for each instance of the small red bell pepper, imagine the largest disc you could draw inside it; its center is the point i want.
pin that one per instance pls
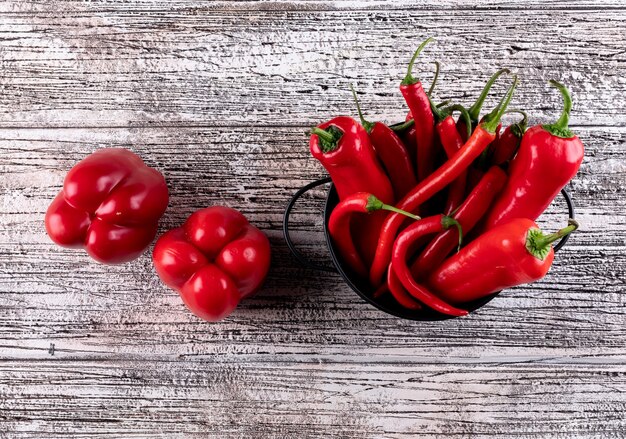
(548, 158)
(482, 136)
(214, 260)
(340, 221)
(510, 254)
(391, 152)
(417, 100)
(110, 205)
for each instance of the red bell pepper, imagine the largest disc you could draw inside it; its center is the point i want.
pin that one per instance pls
(110, 205)
(214, 260)
(482, 136)
(548, 158)
(510, 254)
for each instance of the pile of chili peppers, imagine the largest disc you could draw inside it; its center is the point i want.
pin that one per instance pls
(440, 212)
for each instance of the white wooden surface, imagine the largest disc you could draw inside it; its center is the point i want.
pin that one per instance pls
(218, 95)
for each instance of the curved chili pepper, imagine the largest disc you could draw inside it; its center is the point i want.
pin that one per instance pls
(548, 158)
(510, 254)
(481, 137)
(468, 214)
(474, 110)
(391, 152)
(401, 249)
(506, 145)
(343, 147)
(451, 141)
(398, 292)
(339, 226)
(417, 100)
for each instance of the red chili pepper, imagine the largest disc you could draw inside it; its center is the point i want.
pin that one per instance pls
(510, 254)
(506, 145)
(343, 147)
(548, 158)
(391, 152)
(110, 205)
(481, 137)
(417, 100)
(401, 251)
(468, 214)
(214, 260)
(451, 141)
(474, 110)
(398, 292)
(340, 221)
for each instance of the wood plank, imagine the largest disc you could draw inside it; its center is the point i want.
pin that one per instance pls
(219, 399)
(53, 296)
(126, 66)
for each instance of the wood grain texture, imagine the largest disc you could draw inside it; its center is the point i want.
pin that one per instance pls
(193, 66)
(218, 96)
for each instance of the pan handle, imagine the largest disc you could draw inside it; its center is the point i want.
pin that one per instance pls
(294, 251)
(570, 211)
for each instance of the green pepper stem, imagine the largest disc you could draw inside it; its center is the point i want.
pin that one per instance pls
(545, 240)
(409, 79)
(447, 222)
(474, 110)
(322, 134)
(492, 119)
(374, 204)
(560, 127)
(432, 84)
(367, 125)
(402, 126)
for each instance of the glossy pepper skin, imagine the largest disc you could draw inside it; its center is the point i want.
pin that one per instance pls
(214, 260)
(548, 158)
(419, 104)
(510, 254)
(343, 147)
(482, 136)
(110, 205)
